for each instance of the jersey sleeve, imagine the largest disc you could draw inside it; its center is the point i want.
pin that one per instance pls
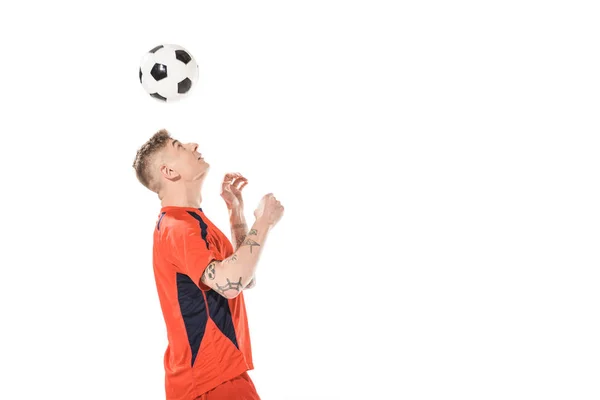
(192, 252)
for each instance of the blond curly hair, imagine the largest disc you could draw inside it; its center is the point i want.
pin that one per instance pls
(145, 157)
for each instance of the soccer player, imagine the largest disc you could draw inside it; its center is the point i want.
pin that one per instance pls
(199, 275)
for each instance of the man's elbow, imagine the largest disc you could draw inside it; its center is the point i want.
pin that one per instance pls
(235, 289)
(251, 284)
(230, 291)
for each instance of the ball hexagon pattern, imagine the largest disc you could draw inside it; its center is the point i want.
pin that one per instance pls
(168, 72)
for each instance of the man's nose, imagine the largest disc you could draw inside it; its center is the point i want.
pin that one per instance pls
(193, 146)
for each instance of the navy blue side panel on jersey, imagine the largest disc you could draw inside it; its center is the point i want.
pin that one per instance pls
(218, 307)
(160, 219)
(203, 226)
(193, 311)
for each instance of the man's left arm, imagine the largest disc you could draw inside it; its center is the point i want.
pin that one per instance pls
(239, 230)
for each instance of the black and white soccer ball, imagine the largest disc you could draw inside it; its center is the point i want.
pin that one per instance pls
(168, 72)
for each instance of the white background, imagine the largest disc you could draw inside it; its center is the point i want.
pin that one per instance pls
(438, 162)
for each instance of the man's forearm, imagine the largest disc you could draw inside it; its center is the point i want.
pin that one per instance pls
(234, 273)
(239, 231)
(239, 228)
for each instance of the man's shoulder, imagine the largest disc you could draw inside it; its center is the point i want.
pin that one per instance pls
(178, 218)
(173, 225)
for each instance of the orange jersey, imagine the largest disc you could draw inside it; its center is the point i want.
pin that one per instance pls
(208, 338)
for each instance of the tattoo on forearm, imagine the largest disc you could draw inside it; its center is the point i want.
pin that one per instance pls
(251, 243)
(231, 259)
(252, 232)
(239, 233)
(240, 240)
(230, 286)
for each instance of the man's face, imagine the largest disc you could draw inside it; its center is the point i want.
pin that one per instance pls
(183, 160)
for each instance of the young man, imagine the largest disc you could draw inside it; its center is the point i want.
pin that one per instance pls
(199, 276)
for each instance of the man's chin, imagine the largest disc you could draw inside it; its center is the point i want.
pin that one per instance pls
(202, 174)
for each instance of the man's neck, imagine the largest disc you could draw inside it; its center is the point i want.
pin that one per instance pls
(192, 200)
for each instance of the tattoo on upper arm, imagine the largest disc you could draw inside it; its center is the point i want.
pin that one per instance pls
(209, 272)
(251, 284)
(251, 243)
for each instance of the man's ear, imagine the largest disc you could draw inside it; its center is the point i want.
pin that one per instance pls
(169, 173)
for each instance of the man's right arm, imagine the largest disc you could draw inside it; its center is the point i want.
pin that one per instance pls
(231, 275)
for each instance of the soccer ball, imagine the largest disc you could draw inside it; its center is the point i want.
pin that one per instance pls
(168, 72)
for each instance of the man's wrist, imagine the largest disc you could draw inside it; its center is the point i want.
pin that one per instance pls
(262, 224)
(236, 215)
